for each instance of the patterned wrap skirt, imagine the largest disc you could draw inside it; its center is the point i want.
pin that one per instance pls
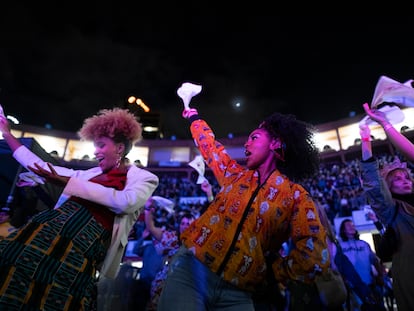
(51, 262)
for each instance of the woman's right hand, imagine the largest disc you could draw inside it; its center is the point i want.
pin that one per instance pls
(187, 113)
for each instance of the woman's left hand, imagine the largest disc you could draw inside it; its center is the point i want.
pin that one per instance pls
(50, 176)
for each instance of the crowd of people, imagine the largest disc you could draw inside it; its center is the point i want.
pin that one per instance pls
(259, 228)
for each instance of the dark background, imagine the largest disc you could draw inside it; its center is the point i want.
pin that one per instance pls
(59, 65)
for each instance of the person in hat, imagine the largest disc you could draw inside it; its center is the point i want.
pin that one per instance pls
(390, 193)
(51, 263)
(223, 257)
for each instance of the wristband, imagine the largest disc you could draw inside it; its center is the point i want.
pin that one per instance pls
(387, 126)
(366, 138)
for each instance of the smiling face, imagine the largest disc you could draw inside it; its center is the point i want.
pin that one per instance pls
(108, 153)
(260, 148)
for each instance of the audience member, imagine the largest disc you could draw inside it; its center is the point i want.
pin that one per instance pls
(364, 260)
(390, 192)
(152, 261)
(52, 261)
(258, 208)
(167, 243)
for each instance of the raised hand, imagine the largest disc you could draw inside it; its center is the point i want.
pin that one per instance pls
(187, 113)
(375, 114)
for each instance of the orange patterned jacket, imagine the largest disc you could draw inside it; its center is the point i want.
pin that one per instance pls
(282, 211)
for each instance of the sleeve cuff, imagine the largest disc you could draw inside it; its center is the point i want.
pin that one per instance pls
(194, 118)
(369, 160)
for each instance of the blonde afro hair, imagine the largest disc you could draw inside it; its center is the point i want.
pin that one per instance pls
(118, 124)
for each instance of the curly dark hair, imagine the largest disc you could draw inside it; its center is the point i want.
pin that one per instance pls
(301, 156)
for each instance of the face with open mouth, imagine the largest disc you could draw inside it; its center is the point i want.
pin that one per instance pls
(107, 153)
(258, 148)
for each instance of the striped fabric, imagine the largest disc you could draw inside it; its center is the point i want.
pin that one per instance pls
(50, 264)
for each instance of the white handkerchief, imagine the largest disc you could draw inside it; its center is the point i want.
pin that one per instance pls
(29, 179)
(391, 91)
(187, 91)
(164, 203)
(199, 165)
(394, 114)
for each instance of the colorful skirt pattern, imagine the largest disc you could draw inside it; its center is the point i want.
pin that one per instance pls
(51, 262)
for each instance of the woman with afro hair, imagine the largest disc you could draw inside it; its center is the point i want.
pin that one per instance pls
(51, 263)
(230, 250)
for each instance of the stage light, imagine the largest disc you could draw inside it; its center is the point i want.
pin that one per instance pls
(142, 105)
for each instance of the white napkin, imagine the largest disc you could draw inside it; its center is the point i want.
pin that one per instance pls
(29, 179)
(393, 113)
(391, 91)
(164, 203)
(187, 91)
(199, 165)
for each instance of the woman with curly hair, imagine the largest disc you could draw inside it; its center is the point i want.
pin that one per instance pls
(51, 263)
(224, 259)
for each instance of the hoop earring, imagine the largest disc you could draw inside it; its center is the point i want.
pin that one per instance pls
(118, 162)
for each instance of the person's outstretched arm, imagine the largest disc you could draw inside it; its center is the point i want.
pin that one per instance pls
(399, 141)
(366, 146)
(12, 141)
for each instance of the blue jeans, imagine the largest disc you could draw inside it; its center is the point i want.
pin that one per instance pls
(192, 286)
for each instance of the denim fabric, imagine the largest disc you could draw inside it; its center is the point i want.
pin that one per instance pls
(191, 286)
(153, 262)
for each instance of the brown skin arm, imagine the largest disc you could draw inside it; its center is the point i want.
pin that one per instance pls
(50, 176)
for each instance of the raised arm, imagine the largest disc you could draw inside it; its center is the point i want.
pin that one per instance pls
(149, 220)
(12, 141)
(366, 146)
(399, 141)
